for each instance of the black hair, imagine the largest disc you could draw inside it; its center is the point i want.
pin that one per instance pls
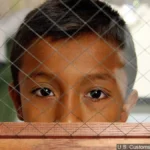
(60, 19)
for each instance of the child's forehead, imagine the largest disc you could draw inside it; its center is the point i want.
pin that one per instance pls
(88, 50)
(73, 47)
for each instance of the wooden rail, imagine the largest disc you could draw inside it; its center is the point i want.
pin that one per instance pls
(38, 136)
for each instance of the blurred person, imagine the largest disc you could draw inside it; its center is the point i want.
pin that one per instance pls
(8, 27)
(9, 24)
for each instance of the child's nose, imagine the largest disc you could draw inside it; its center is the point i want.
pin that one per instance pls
(71, 117)
(70, 110)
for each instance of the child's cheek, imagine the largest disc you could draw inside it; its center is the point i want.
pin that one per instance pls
(102, 111)
(37, 109)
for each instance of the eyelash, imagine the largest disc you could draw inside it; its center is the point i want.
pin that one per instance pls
(88, 95)
(105, 95)
(40, 89)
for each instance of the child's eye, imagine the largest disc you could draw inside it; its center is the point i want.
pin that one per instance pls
(96, 95)
(43, 92)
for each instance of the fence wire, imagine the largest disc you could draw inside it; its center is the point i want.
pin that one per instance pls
(58, 107)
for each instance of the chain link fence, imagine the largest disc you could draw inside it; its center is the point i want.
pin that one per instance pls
(58, 81)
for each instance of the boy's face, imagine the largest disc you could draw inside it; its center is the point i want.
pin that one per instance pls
(80, 80)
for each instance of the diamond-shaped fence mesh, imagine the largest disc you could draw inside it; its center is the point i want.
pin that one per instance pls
(75, 62)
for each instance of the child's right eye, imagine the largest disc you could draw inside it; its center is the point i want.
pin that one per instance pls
(43, 92)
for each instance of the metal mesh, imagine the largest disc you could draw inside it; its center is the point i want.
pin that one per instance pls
(131, 7)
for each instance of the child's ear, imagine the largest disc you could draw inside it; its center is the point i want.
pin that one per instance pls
(128, 105)
(15, 96)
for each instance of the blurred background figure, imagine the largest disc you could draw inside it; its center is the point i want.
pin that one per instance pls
(8, 27)
(137, 16)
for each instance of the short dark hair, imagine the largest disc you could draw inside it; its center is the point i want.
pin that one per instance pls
(60, 19)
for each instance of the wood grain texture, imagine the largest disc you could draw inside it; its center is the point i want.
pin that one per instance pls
(67, 144)
(38, 130)
(71, 136)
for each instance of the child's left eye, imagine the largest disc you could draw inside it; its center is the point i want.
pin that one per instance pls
(96, 95)
(43, 92)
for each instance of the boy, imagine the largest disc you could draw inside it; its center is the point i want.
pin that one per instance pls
(73, 61)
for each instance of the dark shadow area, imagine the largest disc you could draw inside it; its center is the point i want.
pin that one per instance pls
(143, 100)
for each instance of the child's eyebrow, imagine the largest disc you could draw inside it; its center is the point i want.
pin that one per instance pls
(41, 74)
(85, 78)
(99, 76)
